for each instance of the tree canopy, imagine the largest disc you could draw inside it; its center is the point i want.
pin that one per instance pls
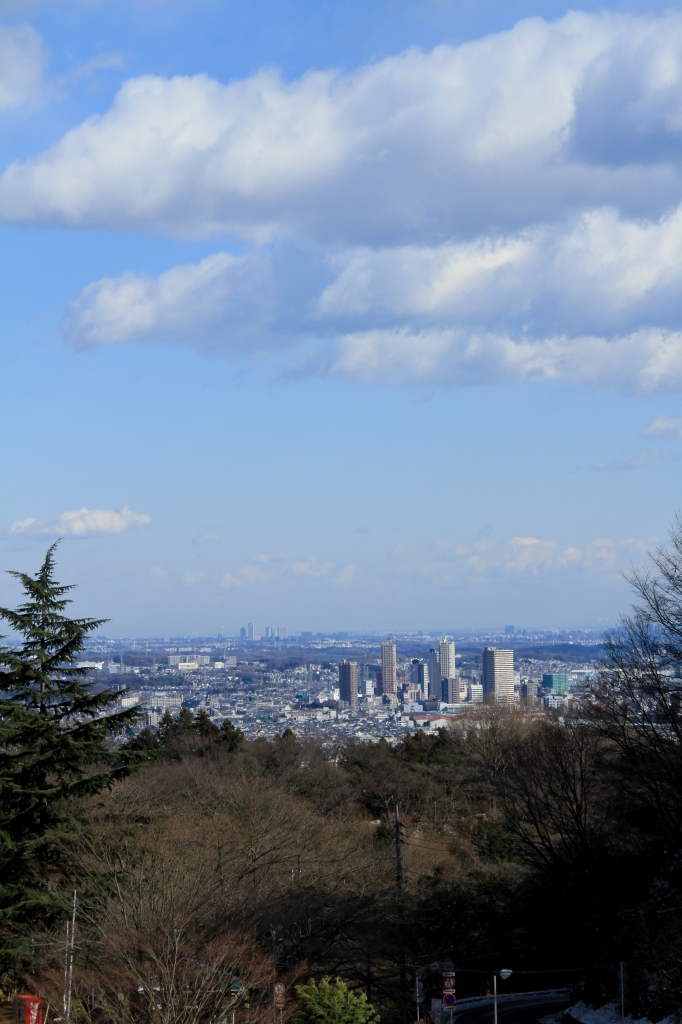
(332, 1003)
(55, 731)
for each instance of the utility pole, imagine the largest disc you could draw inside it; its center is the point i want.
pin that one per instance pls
(623, 979)
(495, 998)
(70, 955)
(399, 902)
(273, 941)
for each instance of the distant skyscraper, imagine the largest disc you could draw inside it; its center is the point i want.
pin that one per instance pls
(419, 676)
(389, 678)
(282, 632)
(497, 676)
(446, 655)
(434, 675)
(242, 633)
(268, 632)
(450, 690)
(509, 630)
(529, 693)
(348, 682)
(249, 631)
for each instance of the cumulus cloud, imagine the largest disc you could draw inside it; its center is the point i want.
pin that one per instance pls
(447, 564)
(203, 300)
(664, 426)
(21, 64)
(508, 130)
(82, 522)
(644, 362)
(505, 210)
(595, 269)
(219, 304)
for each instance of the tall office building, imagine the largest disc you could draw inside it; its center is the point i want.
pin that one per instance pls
(450, 690)
(557, 681)
(449, 686)
(348, 682)
(434, 675)
(249, 631)
(419, 676)
(242, 633)
(529, 693)
(497, 676)
(389, 678)
(446, 655)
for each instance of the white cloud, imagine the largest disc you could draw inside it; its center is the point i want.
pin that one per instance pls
(644, 362)
(265, 568)
(505, 210)
(348, 575)
(448, 564)
(312, 567)
(194, 576)
(594, 301)
(595, 268)
(82, 522)
(664, 426)
(21, 64)
(188, 301)
(508, 129)
(208, 538)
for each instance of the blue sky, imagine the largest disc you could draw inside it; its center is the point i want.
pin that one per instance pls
(340, 315)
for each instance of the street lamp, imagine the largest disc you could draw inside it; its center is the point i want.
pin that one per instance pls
(504, 974)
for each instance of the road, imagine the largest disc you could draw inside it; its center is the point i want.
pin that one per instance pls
(511, 1013)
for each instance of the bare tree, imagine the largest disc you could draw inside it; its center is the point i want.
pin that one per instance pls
(637, 701)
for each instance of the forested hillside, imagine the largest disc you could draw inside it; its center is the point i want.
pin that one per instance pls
(204, 866)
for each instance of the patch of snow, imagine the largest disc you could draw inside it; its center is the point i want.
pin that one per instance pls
(609, 1014)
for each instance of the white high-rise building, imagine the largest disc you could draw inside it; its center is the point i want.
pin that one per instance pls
(497, 676)
(446, 656)
(389, 676)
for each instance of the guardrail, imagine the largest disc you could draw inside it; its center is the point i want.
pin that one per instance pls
(508, 997)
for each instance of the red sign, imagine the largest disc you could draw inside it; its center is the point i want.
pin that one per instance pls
(448, 965)
(449, 999)
(435, 966)
(448, 982)
(28, 1010)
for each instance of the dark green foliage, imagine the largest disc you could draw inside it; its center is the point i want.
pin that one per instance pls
(332, 1003)
(189, 734)
(54, 737)
(147, 740)
(493, 843)
(204, 727)
(231, 738)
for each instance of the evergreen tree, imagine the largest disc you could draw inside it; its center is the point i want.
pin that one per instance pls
(184, 723)
(167, 730)
(230, 737)
(329, 1003)
(204, 727)
(54, 738)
